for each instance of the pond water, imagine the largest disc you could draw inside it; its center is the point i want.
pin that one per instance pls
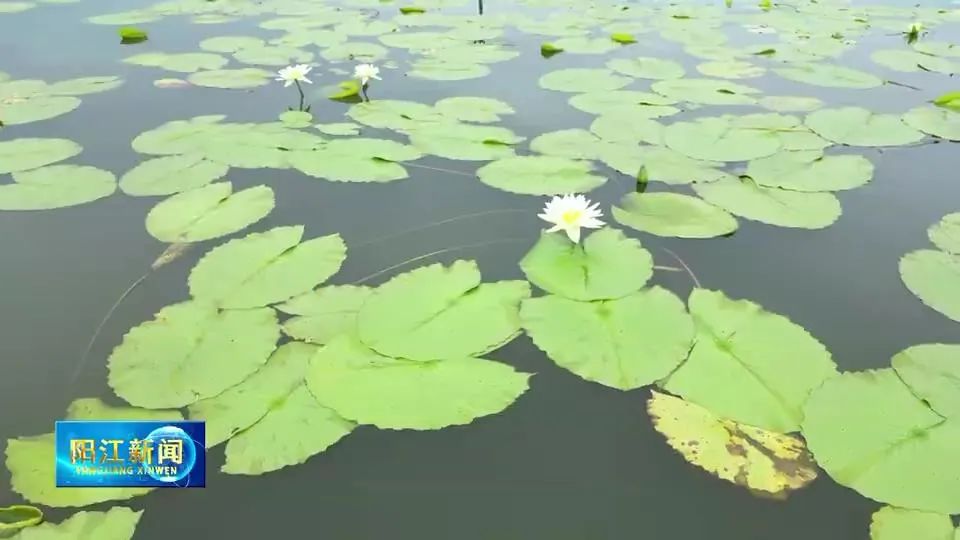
(570, 458)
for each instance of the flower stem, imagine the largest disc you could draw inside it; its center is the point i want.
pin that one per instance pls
(299, 89)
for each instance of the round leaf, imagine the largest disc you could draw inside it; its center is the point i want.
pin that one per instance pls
(171, 174)
(742, 197)
(768, 365)
(117, 523)
(762, 461)
(607, 265)
(856, 126)
(583, 80)
(388, 393)
(56, 186)
(891, 523)
(231, 78)
(183, 62)
(25, 154)
(946, 233)
(208, 212)
(829, 75)
(295, 428)
(454, 140)
(644, 67)
(324, 313)
(706, 91)
(540, 175)
(673, 215)
(625, 343)
(934, 277)
(473, 109)
(935, 121)
(718, 139)
(243, 405)
(438, 312)
(811, 171)
(872, 433)
(33, 108)
(190, 351)
(265, 268)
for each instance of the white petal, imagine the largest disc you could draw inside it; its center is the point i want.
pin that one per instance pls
(574, 234)
(555, 228)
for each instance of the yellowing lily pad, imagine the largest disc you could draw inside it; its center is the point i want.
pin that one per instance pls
(763, 461)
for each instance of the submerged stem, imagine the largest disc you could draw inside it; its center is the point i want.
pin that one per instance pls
(438, 252)
(693, 276)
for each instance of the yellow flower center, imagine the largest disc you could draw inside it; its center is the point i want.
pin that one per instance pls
(571, 216)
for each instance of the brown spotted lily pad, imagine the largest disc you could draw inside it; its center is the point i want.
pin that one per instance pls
(767, 463)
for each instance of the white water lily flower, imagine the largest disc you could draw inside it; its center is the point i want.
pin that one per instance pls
(570, 213)
(292, 74)
(365, 72)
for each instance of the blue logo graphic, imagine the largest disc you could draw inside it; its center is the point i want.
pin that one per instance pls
(120, 453)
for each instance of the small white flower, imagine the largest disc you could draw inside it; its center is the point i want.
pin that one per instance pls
(570, 213)
(365, 72)
(292, 74)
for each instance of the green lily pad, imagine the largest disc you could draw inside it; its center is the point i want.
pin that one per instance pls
(662, 164)
(791, 103)
(908, 61)
(730, 69)
(856, 126)
(438, 69)
(394, 114)
(359, 51)
(29, 459)
(879, 432)
(456, 140)
(230, 44)
(413, 315)
(273, 55)
(783, 208)
(171, 174)
(625, 102)
(390, 393)
(305, 428)
(891, 523)
(190, 351)
(763, 461)
(938, 122)
(16, 110)
(934, 277)
(549, 49)
(540, 175)
(625, 343)
(117, 523)
(607, 265)
(16, 517)
(243, 405)
(571, 143)
(296, 119)
(829, 75)
(811, 171)
(325, 313)
(583, 80)
(623, 38)
(339, 128)
(628, 129)
(56, 186)
(706, 91)
(208, 212)
(946, 233)
(673, 215)
(355, 160)
(769, 364)
(84, 85)
(134, 16)
(231, 78)
(15, 7)
(718, 139)
(179, 62)
(265, 268)
(25, 154)
(473, 109)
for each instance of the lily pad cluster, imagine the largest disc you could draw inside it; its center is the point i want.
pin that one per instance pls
(31, 100)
